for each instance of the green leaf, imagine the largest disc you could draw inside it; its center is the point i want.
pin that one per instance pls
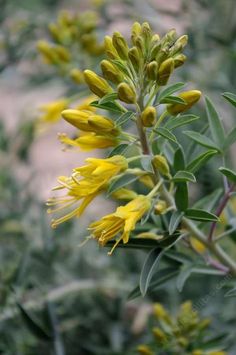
(174, 221)
(135, 243)
(171, 89)
(181, 196)
(230, 174)
(202, 140)
(120, 66)
(200, 215)
(215, 124)
(159, 278)
(120, 182)
(208, 202)
(108, 98)
(230, 139)
(173, 100)
(184, 176)
(166, 134)
(183, 276)
(199, 161)
(146, 163)
(32, 325)
(230, 97)
(178, 256)
(108, 106)
(149, 266)
(120, 149)
(179, 160)
(180, 121)
(124, 118)
(231, 293)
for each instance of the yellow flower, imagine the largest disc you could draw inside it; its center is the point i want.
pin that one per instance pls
(123, 221)
(85, 104)
(84, 185)
(52, 111)
(89, 141)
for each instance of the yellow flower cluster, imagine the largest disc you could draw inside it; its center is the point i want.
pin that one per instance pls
(184, 334)
(128, 87)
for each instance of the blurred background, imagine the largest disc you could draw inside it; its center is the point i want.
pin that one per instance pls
(80, 294)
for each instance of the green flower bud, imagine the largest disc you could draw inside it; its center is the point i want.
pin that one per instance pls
(134, 57)
(77, 76)
(159, 335)
(144, 350)
(182, 41)
(139, 43)
(148, 116)
(126, 93)
(146, 32)
(109, 48)
(120, 45)
(152, 70)
(162, 55)
(160, 207)
(165, 70)
(179, 60)
(135, 31)
(62, 53)
(110, 72)
(183, 342)
(190, 98)
(155, 50)
(160, 164)
(169, 37)
(96, 84)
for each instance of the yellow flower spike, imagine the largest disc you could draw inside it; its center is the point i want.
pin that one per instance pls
(190, 98)
(110, 72)
(90, 141)
(126, 93)
(164, 72)
(179, 60)
(109, 48)
(148, 116)
(160, 207)
(160, 164)
(122, 222)
(144, 350)
(134, 57)
(161, 314)
(152, 70)
(120, 45)
(124, 194)
(97, 85)
(84, 185)
(52, 110)
(77, 76)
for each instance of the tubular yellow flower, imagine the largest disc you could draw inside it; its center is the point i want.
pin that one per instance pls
(52, 110)
(190, 98)
(90, 141)
(97, 85)
(122, 221)
(84, 185)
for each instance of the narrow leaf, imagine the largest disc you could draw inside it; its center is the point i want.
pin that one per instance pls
(230, 139)
(180, 121)
(122, 181)
(146, 163)
(207, 271)
(230, 97)
(230, 174)
(183, 277)
(173, 100)
(174, 221)
(199, 161)
(171, 89)
(124, 118)
(166, 134)
(201, 139)
(179, 160)
(108, 98)
(178, 256)
(200, 215)
(108, 106)
(120, 149)
(149, 266)
(181, 196)
(184, 176)
(215, 124)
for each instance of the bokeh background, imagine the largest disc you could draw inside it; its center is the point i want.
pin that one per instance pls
(80, 294)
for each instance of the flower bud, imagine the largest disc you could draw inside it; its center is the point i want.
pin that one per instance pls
(182, 41)
(148, 116)
(160, 164)
(164, 72)
(120, 45)
(162, 55)
(155, 50)
(55, 32)
(99, 123)
(109, 48)
(48, 53)
(110, 72)
(146, 32)
(169, 37)
(77, 118)
(62, 53)
(160, 207)
(179, 60)
(96, 84)
(190, 98)
(77, 76)
(135, 31)
(183, 342)
(144, 350)
(126, 93)
(152, 70)
(134, 57)
(159, 335)
(161, 314)
(139, 43)
(124, 194)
